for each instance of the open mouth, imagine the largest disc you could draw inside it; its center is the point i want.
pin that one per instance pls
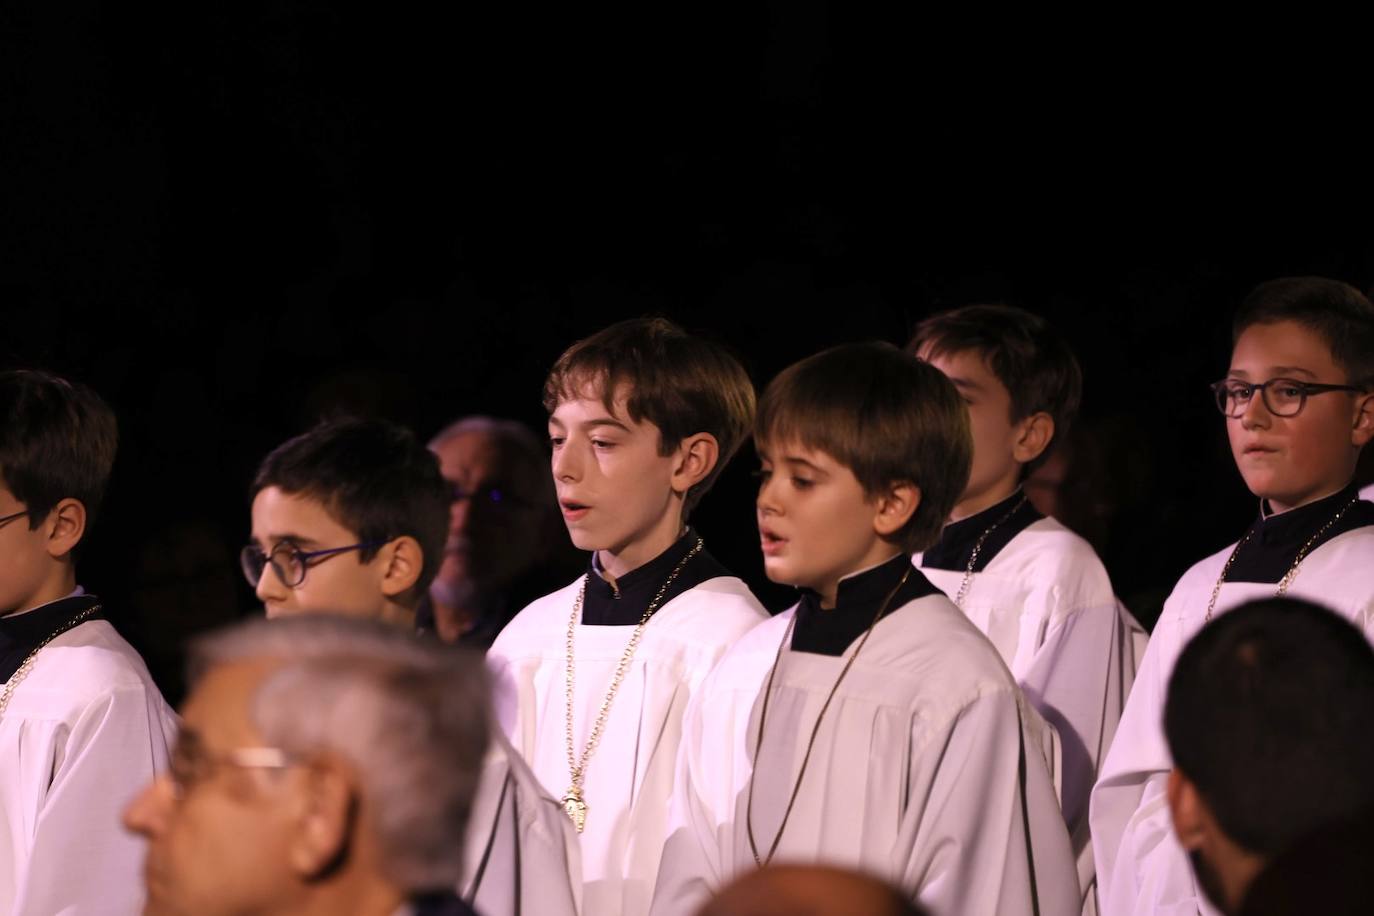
(770, 541)
(573, 510)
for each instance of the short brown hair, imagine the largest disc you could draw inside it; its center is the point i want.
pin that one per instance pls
(57, 441)
(883, 414)
(1337, 312)
(681, 383)
(1027, 355)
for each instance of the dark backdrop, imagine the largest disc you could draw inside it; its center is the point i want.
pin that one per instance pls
(232, 218)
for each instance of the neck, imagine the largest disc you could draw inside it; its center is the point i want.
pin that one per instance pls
(397, 614)
(58, 584)
(615, 562)
(830, 591)
(375, 897)
(1278, 508)
(972, 503)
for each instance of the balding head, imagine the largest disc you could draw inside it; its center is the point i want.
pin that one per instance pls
(809, 890)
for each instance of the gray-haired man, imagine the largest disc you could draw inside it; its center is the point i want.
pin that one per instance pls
(325, 765)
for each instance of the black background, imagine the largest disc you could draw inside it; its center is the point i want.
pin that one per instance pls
(233, 218)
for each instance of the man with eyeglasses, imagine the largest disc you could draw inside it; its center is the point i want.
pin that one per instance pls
(1299, 406)
(506, 541)
(325, 765)
(350, 519)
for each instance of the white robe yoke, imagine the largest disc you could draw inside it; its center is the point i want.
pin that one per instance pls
(630, 777)
(85, 731)
(1142, 868)
(1047, 604)
(919, 773)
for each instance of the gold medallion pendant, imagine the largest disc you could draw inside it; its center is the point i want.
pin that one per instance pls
(575, 807)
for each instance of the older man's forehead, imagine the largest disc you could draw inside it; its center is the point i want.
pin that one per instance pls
(474, 457)
(219, 708)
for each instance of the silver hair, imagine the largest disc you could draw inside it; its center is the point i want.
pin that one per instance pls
(412, 717)
(520, 442)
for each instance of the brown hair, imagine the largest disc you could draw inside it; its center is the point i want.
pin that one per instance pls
(883, 414)
(1337, 312)
(1029, 358)
(682, 384)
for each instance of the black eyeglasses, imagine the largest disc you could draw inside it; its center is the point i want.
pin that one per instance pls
(6, 519)
(288, 561)
(1283, 397)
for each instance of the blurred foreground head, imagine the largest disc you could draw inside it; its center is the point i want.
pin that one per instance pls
(325, 765)
(809, 890)
(1270, 721)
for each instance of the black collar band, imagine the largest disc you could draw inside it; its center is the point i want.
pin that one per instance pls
(955, 547)
(624, 603)
(831, 631)
(20, 634)
(1275, 540)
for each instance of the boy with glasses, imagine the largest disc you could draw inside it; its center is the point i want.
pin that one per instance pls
(350, 519)
(81, 723)
(1299, 408)
(1032, 586)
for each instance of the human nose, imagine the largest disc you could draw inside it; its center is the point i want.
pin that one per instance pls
(767, 502)
(270, 586)
(567, 463)
(1256, 411)
(147, 814)
(459, 513)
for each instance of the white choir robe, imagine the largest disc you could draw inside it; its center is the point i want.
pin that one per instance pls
(1047, 604)
(1367, 494)
(915, 776)
(1141, 867)
(630, 777)
(521, 854)
(84, 733)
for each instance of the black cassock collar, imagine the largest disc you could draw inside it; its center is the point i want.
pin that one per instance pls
(957, 541)
(624, 603)
(1274, 540)
(830, 632)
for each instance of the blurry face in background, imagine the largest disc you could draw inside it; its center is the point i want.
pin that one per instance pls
(218, 835)
(24, 561)
(499, 517)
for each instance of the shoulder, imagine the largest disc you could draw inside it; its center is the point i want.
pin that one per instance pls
(1048, 552)
(720, 605)
(751, 655)
(533, 624)
(930, 640)
(91, 658)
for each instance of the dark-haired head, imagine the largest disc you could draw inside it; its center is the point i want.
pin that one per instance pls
(375, 479)
(681, 383)
(1337, 312)
(886, 416)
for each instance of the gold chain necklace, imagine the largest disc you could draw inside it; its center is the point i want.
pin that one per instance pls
(761, 861)
(1289, 576)
(978, 548)
(27, 664)
(573, 803)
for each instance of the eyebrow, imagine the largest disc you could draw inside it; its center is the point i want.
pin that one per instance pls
(295, 539)
(1275, 372)
(592, 423)
(795, 460)
(964, 384)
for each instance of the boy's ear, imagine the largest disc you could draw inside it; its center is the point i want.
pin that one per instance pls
(65, 526)
(1034, 435)
(895, 507)
(402, 561)
(697, 455)
(324, 811)
(1363, 429)
(1188, 811)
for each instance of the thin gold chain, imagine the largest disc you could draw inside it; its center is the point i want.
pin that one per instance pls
(815, 730)
(978, 548)
(27, 664)
(1289, 576)
(573, 802)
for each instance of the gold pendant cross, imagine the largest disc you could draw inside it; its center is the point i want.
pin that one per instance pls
(575, 807)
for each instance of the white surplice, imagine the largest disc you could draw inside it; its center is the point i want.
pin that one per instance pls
(1367, 494)
(927, 769)
(521, 856)
(85, 731)
(1046, 603)
(1141, 867)
(630, 777)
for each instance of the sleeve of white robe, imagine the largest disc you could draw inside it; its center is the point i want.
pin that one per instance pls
(971, 852)
(1079, 679)
(1141, 868)
(82, 860)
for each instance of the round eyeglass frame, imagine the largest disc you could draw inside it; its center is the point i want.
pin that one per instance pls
(253, 559)
(1227, 389)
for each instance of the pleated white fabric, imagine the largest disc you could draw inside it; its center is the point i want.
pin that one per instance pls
(1046, 603)
(1141, 867)
(917, 773)
(630, 777)
(85, 731)
(521, 857)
